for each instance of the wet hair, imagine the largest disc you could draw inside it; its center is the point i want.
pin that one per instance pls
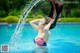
(58, 11)
(52, 10)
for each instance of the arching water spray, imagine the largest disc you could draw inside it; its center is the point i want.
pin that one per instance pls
(21, 22)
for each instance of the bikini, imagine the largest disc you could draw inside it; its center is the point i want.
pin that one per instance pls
(40, 42)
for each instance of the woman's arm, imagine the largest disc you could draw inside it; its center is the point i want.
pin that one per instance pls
(34, 24)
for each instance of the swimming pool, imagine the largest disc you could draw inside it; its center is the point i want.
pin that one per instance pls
(65, 38)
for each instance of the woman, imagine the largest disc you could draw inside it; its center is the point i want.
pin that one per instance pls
(43, 31)
(43, 25)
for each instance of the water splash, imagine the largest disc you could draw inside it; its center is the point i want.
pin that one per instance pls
(21, 22)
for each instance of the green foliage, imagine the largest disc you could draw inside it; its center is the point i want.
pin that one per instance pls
(14, 7)
(67, 19)
(42, 8)
(12, 19)
(14, 13)
(38, 14)
(75, 13)
(62, 14)
(8, 6)
(9, 19)
(31, 15)
(2, 13)
(70, 19)
(2, 20)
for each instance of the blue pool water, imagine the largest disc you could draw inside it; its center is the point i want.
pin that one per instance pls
(65, 38)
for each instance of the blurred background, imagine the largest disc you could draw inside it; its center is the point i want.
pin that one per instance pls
(11, 10)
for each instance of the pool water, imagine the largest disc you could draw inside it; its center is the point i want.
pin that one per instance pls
(64, 38)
